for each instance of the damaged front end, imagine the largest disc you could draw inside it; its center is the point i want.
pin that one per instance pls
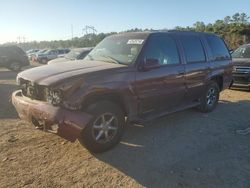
(47, 110)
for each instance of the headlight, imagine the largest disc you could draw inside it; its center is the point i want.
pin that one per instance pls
(54, 97)
(18, 80)
(234, 68)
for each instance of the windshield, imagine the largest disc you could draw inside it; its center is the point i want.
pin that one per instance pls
(122, 49)
(73, 54)
(242, 52)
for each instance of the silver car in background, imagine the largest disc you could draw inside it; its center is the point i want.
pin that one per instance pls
(74, 54)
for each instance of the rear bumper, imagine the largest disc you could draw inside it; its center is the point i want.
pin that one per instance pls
(65, 123)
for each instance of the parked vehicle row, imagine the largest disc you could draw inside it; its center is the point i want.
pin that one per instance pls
(133, 77)
(14, 58)
(45, 56)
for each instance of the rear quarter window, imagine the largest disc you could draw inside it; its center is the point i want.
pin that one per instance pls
(218, 48)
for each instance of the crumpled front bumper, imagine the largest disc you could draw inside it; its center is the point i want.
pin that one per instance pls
(69, 124)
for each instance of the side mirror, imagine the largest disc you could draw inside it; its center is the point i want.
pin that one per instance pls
(150, 63)
(231, 51)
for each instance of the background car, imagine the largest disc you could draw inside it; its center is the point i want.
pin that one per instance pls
(74, 54)
(50, 54)
(34, 56)
(241, 71)
(31, 52)
(13, 58)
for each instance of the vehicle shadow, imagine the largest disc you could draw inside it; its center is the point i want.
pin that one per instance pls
(7, 110)
(187, 149)
(7, 86)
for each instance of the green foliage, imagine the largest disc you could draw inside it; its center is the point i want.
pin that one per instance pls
(234, 29)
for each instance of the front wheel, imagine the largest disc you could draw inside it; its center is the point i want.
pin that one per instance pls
(106, 128)
(210, 97)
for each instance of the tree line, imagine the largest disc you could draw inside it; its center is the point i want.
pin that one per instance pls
(234, 29)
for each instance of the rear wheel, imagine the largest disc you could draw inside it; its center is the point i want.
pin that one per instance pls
(210, 98)
(15, 66)
(106, 128)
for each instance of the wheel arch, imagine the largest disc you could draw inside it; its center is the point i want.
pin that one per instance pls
(114, 97)
(219, 80)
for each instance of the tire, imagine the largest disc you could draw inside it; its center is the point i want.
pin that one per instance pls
(210, 97)
(15, 66)
(99, 135)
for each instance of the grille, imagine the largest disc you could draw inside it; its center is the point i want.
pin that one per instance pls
(33, 91)
(242, 69)
(241, 79)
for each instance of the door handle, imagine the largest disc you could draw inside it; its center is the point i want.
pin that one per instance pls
(181, 73)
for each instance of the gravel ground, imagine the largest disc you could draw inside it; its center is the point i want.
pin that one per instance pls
(185, 149)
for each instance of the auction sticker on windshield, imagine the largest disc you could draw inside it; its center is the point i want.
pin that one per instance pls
(135, 41)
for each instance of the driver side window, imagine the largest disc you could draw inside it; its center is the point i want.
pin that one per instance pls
(163, 48)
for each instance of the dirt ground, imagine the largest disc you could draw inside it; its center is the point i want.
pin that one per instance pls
(185, 149)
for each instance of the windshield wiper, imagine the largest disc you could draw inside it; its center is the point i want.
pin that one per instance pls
(111, 58)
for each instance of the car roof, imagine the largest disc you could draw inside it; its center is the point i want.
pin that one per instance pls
(175, 32)
(12, 47)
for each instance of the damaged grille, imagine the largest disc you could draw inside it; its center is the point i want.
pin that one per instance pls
(33, 91)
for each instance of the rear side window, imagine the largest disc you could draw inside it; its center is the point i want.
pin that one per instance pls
(193, 49)
(163, 48)
(218, 48)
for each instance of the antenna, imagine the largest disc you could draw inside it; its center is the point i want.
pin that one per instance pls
(89, 30)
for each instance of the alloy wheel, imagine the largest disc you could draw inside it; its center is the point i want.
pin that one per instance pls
(105, 128)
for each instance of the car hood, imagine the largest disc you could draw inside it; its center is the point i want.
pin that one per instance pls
(241, 61)
(52, 74)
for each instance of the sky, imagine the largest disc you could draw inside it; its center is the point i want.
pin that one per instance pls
(54, 19)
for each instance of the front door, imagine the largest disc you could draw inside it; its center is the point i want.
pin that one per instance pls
(161, 87)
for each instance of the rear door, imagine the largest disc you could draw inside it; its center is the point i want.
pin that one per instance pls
(220, 59)
(163, 87)
(196, 65)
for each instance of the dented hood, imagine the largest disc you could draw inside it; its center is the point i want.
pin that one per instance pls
(51, 74)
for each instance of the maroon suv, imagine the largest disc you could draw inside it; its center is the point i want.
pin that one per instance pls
(131, 77)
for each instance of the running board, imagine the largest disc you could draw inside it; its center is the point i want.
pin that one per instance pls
(148, 118)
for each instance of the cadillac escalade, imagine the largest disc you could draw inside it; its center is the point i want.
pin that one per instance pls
(128, 77)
